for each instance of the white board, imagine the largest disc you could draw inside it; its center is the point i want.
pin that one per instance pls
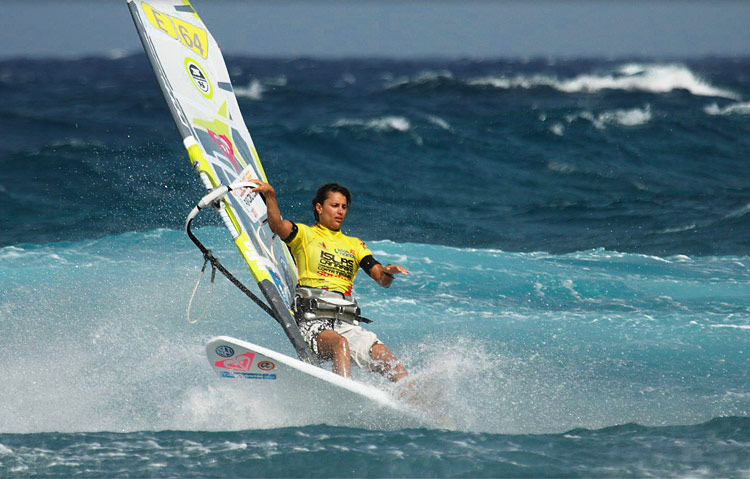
(287, 383)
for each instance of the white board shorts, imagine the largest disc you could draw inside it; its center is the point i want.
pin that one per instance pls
(360, 340)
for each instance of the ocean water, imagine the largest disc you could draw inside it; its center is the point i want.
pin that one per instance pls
(576, 231)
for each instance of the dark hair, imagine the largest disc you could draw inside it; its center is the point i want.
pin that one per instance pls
(322, 194)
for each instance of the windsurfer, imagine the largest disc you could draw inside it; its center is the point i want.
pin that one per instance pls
(327, 262)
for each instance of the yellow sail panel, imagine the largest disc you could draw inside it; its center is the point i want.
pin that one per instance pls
(195, 82)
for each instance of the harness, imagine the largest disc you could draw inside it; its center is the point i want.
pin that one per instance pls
(315, 303)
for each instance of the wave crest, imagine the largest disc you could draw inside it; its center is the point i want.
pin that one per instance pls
(631, 117)
(731, 109)
(654, 78)
(386, 123)
(253, 91)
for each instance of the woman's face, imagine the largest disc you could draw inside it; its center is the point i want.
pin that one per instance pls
(332, 212)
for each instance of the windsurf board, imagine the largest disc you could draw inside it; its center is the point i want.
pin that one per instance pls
(288, 383)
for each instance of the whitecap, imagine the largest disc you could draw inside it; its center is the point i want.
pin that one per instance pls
(738, 213)
(732, 326)
(77, 143)
(678, 229)
(731, 109)
(631, 69)
(649, 78)
(386, 123)
(436, 120)
(116, 54)
(232, 446)
(557, 129)
(560, 167)
(627, 118)
(428, 76)
(253, 91)
(346, 79)
(632, 117)
(652, 78)
(280, 80)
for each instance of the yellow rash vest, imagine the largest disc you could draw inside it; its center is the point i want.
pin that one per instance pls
(325, 258)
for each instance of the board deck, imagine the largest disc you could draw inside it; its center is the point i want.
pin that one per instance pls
(287, 383)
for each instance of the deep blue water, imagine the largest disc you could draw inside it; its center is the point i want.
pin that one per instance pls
(643, 156)
(577, 233)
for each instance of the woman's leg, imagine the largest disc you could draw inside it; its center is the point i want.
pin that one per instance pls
(332, 345)
(386, 363)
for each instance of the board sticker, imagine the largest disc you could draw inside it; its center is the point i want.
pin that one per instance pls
(225, 351)
(266, 365)
(241, 363)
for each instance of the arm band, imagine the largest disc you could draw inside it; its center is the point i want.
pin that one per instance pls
(367, 263)
(292, 234)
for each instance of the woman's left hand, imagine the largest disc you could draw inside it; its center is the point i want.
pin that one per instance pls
(395, 269)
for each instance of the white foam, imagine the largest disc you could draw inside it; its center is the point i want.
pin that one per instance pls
(253, 91)
(731, 109)
(632, 117)
(733, 326)
(346, 80)
(631, 69)
(627, 118)
(116, 54)
(280, 80)
(738, 213)
(561, 167)
(557, 129)
(421, 78)
(652, 78)
(436, 120)
(679, 229)
(77, 143)
(386, 123)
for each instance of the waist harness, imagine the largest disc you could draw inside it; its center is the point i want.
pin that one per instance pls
(315, 303)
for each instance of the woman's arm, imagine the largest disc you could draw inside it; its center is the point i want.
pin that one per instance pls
(280, 226)
(383, 275)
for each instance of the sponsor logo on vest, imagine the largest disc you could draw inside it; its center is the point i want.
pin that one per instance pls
(331, 265)
(343, 252)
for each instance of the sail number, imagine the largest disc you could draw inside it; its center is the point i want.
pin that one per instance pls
(195, 38)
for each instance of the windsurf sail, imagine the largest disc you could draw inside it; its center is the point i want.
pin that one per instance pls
(195, 82)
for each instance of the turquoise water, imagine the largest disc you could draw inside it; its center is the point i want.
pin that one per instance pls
(522, 350)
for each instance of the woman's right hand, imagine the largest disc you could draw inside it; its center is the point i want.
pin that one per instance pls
(262, 187)
(278, 225)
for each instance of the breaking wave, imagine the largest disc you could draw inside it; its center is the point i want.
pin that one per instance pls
(630, 77)
(631, 117)
(620, 118)
(253, 91)
(386, 123)
(731, 109)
